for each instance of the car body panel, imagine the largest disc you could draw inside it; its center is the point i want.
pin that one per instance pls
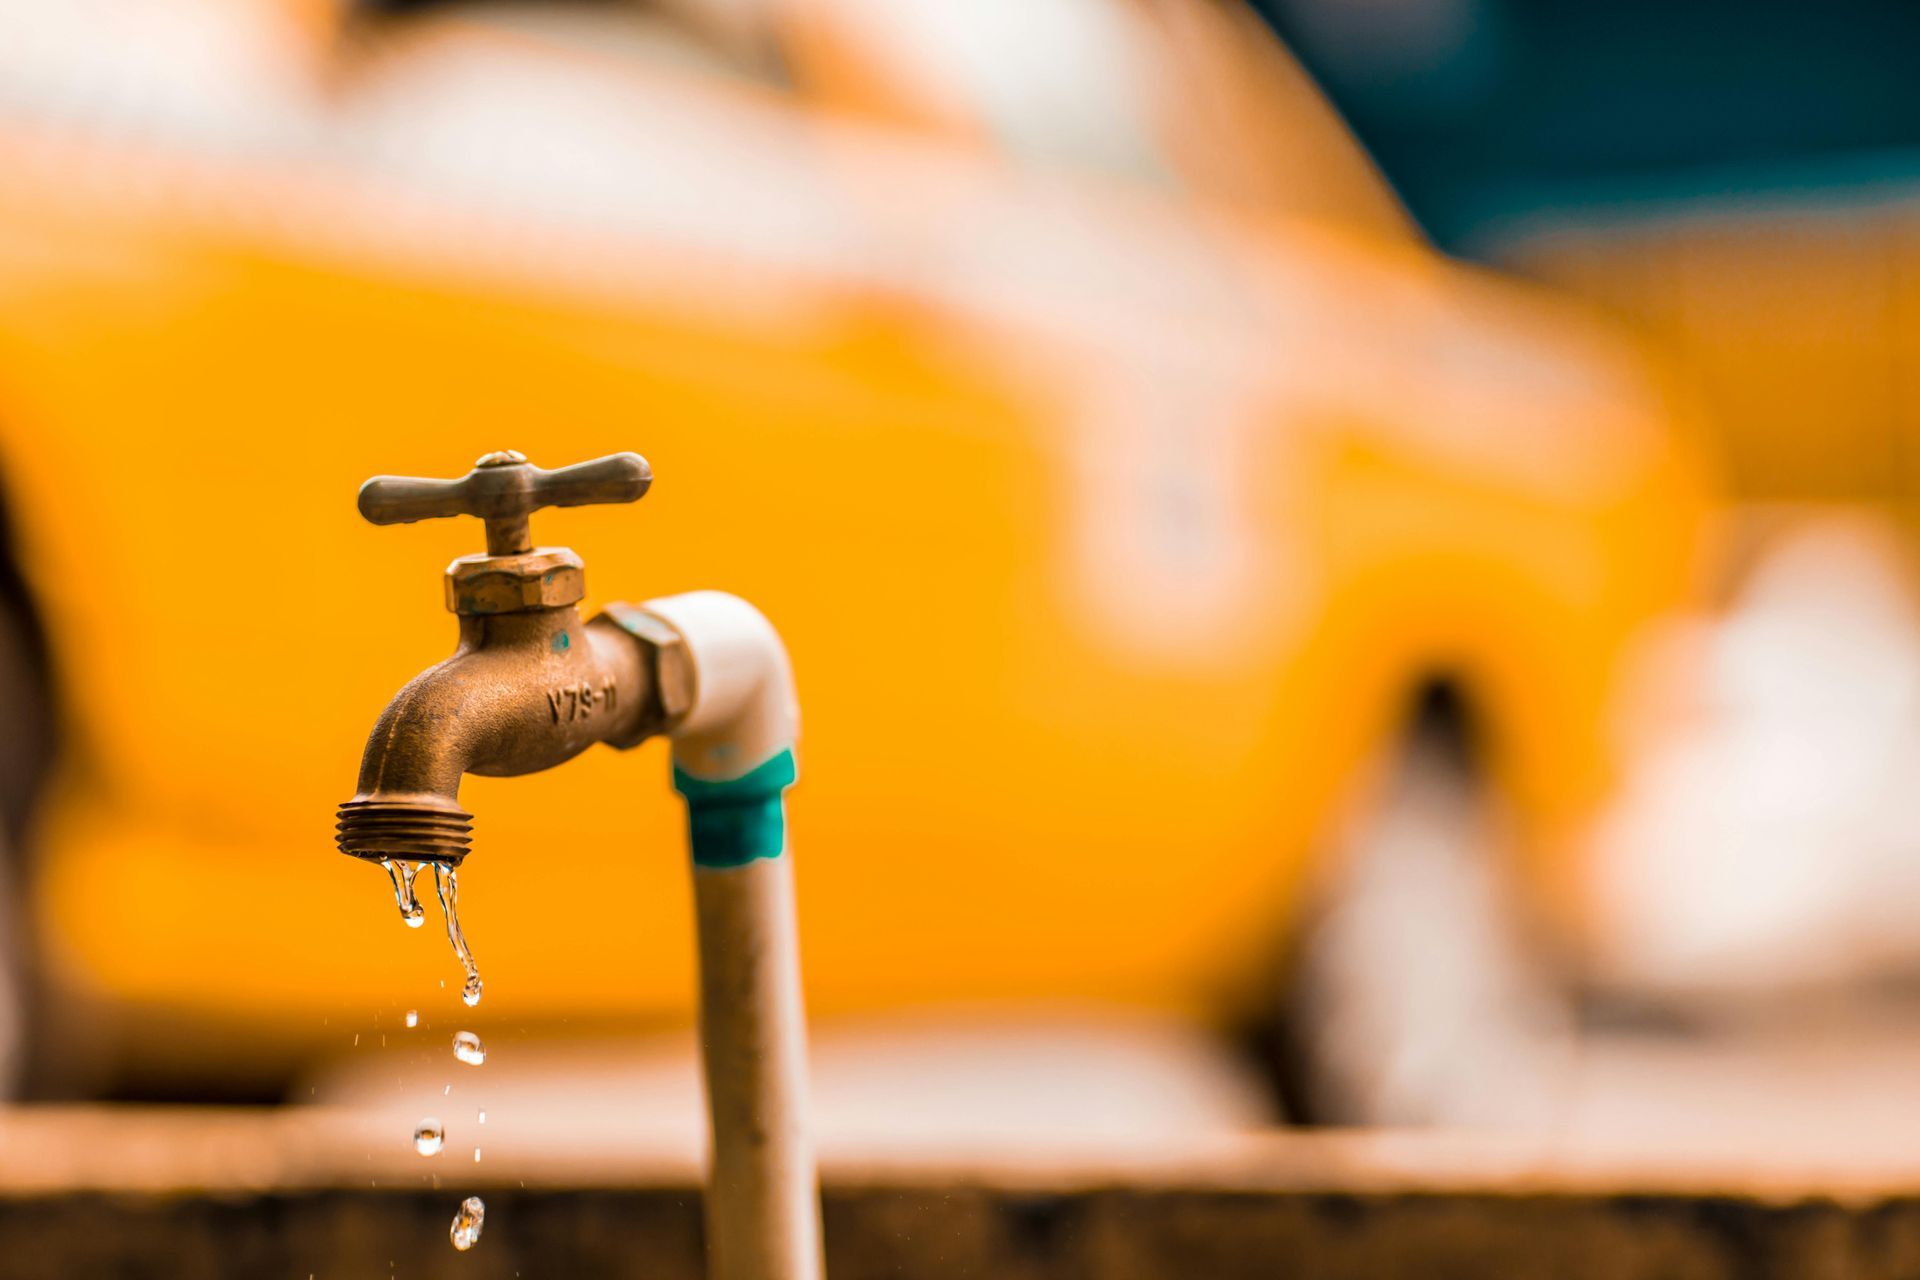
(1110, 533)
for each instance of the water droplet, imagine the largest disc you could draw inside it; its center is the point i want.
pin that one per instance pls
(403, 895)
(428, 1136)
(413, 1017)
(446, 883)
(483, 1115)
(467, 1223)
(476, 1155)
(467, 1048)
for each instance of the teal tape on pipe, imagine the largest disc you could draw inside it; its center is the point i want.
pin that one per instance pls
(733, 822)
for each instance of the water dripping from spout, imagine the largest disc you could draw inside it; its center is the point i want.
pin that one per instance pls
(446, 884)
(403, 895)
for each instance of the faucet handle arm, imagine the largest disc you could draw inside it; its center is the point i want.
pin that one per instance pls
(403, 499)
(618, 477)
(504, 489)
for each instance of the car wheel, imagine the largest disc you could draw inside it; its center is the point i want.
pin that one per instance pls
(1412, 996)
(26, 750)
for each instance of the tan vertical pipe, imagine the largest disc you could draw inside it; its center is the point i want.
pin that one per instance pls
(762, 1207)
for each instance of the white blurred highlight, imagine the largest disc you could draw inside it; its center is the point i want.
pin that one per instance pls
(1002, 1085)
(1764, 840)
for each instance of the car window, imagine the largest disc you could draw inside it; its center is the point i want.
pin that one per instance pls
(1196, 95)
(1056, 84)
(732, 38)
(1249, 127)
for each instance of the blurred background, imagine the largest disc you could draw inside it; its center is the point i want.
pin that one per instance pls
(1348, 563)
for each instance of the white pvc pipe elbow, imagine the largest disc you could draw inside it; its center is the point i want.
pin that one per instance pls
(744, 711)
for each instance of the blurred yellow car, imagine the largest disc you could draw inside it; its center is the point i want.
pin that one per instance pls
(1115, 460)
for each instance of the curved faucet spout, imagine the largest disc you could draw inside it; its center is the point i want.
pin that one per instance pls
(523, 692)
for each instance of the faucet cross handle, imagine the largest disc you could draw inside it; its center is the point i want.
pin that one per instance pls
(503, 489)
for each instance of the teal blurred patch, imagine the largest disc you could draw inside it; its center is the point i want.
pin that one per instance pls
(733, 822)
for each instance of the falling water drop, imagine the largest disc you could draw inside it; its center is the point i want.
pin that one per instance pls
(467, 1223)
(413, 1017)
(467, 1048)
(483, 1115)
(476, 1155)
(428, 1136)
(446, 883)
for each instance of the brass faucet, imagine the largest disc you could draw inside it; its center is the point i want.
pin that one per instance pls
(529, 685)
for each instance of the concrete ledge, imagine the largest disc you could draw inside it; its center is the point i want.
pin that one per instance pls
(203, 1194)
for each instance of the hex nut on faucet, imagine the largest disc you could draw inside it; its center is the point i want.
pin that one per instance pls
(548, 578)
(667, 663)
